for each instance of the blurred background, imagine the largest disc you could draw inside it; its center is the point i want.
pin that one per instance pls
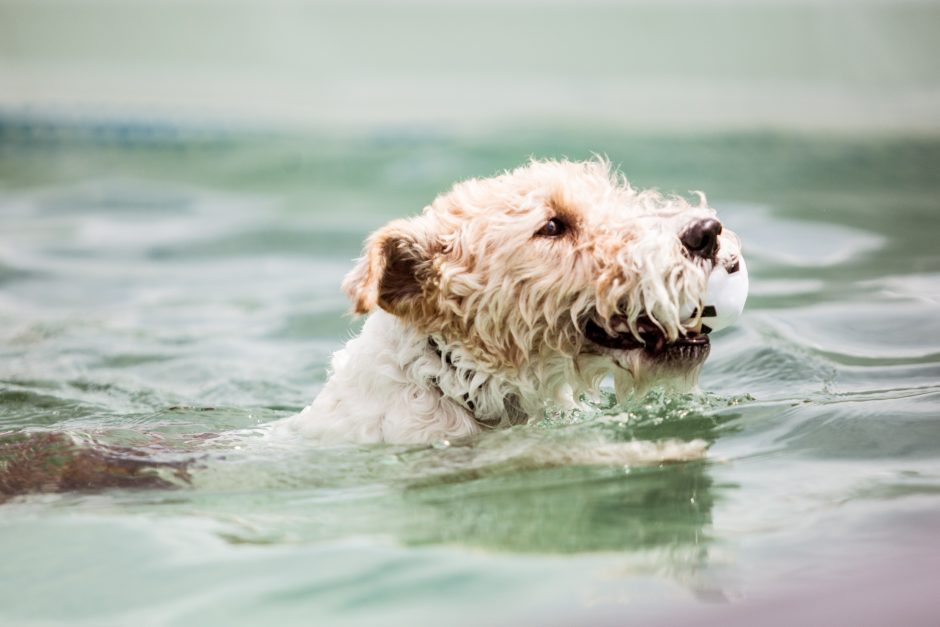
(689, 65)
(183, 185)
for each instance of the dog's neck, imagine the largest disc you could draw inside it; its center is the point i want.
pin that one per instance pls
(394, 383)
(491, 402)
(512, 412)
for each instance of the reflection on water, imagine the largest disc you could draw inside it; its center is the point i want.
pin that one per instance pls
(572, 511)
(164, 301)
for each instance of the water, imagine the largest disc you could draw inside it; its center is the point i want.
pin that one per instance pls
(172, 291)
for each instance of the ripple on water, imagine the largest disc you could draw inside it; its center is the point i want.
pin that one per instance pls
(870, 428)
(179, 319)
(857, 333)
(773, 239)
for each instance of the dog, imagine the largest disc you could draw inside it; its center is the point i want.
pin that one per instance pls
(517, 293)
(506, 297)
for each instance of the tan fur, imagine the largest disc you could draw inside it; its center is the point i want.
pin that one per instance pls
(483, 316)
(485, 282)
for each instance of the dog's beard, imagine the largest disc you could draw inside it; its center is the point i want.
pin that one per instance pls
(644, 343)
(632, 374)
(635, 373)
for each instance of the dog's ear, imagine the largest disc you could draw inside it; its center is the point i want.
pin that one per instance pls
(394, 268)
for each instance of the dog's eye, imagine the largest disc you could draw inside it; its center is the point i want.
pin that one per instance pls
(552, 228)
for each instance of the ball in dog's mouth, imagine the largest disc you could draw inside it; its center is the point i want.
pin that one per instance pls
(692, 348)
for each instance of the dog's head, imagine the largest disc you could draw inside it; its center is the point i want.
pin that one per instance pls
(555, 270)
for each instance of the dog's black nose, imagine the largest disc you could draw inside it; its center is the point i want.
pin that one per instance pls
(701, 238)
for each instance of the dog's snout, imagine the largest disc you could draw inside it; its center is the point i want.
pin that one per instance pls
(701, 238)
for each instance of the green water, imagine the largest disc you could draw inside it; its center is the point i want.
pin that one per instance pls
(158, 285)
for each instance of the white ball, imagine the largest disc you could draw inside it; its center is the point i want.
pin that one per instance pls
(725, 296)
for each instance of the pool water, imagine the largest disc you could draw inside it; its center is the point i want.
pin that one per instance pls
(170, 291)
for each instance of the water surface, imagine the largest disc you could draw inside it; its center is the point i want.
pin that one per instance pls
(173, 291)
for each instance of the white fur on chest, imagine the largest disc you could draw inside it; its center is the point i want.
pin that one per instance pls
(385, 386)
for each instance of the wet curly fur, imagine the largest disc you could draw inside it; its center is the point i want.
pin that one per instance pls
(478, 307)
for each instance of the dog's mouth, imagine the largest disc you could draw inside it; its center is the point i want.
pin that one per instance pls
(692, 347)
